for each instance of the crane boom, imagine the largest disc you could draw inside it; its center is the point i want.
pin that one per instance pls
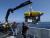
(17, 7)
(22, 5)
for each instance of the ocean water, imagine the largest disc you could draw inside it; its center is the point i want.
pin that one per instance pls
(41, 25)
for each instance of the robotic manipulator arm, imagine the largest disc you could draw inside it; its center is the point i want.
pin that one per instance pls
(11, 10)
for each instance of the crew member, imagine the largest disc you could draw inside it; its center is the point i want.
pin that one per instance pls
(14, 28)
(24, 29)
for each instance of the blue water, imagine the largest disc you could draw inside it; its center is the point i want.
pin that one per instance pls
(41, 25)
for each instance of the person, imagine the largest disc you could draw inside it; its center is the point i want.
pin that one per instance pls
(14, 28)
(24, 29)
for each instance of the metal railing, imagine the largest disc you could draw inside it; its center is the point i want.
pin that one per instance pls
(39, 32)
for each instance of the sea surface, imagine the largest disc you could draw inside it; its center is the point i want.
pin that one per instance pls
(39, 25)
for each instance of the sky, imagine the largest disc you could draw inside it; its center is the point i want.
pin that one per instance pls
(18, 15)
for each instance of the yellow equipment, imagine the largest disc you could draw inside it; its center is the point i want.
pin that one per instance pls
(33, 13)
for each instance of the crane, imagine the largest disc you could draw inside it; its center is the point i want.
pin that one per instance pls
(6, 25)
(10, 10)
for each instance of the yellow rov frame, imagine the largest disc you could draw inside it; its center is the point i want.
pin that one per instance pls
(34, 15)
